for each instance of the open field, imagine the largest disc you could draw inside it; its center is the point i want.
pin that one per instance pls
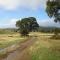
(43, 48)
(10, 42)
(10, 39)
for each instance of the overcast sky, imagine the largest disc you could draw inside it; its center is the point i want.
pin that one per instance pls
(13, 10)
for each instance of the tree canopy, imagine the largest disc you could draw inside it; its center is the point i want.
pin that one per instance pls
(27, 25)
(53, 9)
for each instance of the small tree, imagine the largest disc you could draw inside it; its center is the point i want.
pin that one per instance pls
(27, 25)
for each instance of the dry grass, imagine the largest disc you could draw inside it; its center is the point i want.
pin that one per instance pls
(9, 43)
(10, 39)
(45, 48)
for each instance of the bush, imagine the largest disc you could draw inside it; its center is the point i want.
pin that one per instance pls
(55, 37)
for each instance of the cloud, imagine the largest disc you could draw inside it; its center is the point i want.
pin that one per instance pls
(9, 4)
(48, 23)
(29, 4)
(8, 24)
(11, 23)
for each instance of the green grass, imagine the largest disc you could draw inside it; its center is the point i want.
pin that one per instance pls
(45, 54)
(45, 49)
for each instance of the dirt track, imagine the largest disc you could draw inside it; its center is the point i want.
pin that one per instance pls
(19, 53)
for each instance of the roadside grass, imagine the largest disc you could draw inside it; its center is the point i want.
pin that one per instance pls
(9, 43)
(45, 49)
(10, 39)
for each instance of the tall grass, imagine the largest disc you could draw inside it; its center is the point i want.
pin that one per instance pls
(45, 49)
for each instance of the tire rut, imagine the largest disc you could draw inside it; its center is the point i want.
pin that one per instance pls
(16, 55)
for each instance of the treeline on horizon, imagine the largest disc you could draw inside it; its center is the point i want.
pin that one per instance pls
(40, 29)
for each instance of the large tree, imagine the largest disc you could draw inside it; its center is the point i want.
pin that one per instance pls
(27, 25)
(53, 9)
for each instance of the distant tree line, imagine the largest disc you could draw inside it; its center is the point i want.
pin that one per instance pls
(49, 29)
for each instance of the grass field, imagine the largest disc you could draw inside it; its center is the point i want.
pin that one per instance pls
(9, 43)
(45, 48)
(10, 39)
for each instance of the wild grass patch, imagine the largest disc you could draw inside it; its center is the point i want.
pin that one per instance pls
(45, 49)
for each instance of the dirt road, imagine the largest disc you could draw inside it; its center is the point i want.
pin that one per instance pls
(19, 53)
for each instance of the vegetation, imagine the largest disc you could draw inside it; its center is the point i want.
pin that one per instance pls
(9, 44)
(8, 31)
(44, 48)
(53, 10)
(27, 25)
(10, 39)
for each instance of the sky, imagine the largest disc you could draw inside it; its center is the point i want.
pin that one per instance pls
(13, 10)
